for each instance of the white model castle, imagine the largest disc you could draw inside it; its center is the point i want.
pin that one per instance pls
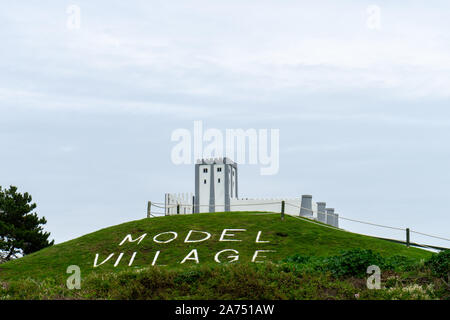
(216, 190)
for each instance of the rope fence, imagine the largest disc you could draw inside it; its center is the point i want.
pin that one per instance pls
(282, 204)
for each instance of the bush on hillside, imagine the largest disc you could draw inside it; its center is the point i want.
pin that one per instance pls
(440, 264)
(350, 262)
(298, 258)
(400, 263)
(222, 282)
(353, 262)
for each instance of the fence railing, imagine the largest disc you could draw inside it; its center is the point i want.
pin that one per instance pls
(283, 204)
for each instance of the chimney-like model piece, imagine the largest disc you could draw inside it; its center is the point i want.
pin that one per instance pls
(322, 212)
(306, 206)
(330, 216)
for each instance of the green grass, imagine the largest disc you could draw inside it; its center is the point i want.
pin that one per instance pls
(289, 237)
(232, 281)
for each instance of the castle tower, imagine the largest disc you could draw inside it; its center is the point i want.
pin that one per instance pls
(216, 183)
(306, 206)
(330, 216)
(322, 212)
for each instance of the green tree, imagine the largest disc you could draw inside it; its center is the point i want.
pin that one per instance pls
(21, 229)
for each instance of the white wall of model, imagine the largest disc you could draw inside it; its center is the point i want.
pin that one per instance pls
(216, 190)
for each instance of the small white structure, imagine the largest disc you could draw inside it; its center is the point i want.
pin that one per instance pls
(216, 190)
(182, 202)
(215, 185)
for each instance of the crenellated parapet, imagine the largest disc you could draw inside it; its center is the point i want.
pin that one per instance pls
(216, 190)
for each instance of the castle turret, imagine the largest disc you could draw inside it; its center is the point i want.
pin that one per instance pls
(306, 206)
(321, 212)
(330, 216)
(216, 183)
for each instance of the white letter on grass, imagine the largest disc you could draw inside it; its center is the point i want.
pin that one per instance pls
(195, 256)
(256, 255)
(130, 239)
(156, 258)
(233, 257)
(118, 259)
(208, 235)
(96, 260)
(224, 234)
(132, 259)
(259, 236)
(175, 235)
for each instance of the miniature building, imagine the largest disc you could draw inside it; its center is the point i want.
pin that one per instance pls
(216, 190)
(215, 185)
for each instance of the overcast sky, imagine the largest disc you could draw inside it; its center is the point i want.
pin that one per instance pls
(86, 114)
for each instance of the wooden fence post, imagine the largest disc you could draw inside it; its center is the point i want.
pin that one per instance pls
(407, 237)
(149, 209)
(282, 210)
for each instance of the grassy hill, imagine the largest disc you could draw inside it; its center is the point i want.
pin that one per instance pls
(286, 238)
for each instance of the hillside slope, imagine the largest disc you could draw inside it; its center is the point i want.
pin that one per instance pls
(284, 238)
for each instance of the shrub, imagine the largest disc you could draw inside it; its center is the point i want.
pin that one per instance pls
(440, 264)
(399, 263)
(350, 262)
(233, 281)
(189, 276)
(297, 258)
(353, 262)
